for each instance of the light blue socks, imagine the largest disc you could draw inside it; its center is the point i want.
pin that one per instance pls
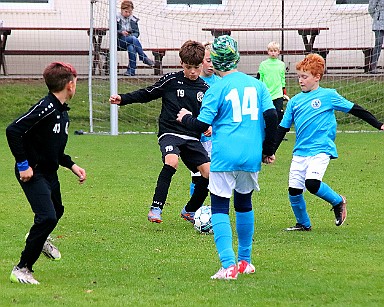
(329, 195)
(299, 208)
(245, 229)
(222, 234)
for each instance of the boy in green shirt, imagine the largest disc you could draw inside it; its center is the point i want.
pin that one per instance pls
(272, 73)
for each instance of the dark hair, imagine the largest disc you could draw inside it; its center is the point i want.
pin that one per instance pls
(57, 75)
(192, 53)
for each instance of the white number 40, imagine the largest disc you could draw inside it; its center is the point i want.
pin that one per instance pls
(247, 107)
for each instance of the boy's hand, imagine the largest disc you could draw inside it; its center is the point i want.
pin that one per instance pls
(269, 159)
(115, 99)
(208, 132)
(181, 114)
(26, 175)
(79, 172)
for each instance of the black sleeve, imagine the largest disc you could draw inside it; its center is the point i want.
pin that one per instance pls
(192, 123)
(280, 134)
(365, 115)
(144, 95)
(258, 76)
(270, 118)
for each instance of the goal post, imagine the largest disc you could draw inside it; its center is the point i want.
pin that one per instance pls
(344, 37)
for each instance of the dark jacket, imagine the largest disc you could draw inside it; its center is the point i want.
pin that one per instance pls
(176, 92)
(133, 23)
(41, 134)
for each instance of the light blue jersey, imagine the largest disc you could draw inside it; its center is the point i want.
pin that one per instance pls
(210, 81)
(234, 107)
(315, 123)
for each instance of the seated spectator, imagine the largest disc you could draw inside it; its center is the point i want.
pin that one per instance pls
(127, 37)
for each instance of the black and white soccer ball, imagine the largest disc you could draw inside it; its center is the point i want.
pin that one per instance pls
(203, 223)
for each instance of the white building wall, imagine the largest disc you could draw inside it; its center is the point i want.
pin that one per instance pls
(170, 26)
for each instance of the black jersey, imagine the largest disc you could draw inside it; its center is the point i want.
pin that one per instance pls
(41, 134)
(176, 92)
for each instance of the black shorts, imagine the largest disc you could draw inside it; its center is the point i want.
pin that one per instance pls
(191, 152)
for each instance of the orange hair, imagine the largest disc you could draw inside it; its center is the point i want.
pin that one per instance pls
(313, 63)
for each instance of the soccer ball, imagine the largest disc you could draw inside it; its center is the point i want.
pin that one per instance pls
(203, 223)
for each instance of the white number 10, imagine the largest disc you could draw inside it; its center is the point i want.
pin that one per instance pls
(247, 107)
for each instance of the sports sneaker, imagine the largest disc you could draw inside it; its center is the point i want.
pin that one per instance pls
(340, 211)
(298, 227)
(188, 216)
(228, 274)
(148, 62)
(22, 276)
(245, 268)
(50, 250)
(154, 215)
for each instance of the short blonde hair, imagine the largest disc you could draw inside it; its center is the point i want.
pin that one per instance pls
(273, 45)
(207, 45)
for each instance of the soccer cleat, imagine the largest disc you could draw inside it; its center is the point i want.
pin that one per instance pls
(228, 273)
(340, 211)
(188, 216)
(154, 215)
(22, 276)
(50, 250)
(245, 268)
(298, 227)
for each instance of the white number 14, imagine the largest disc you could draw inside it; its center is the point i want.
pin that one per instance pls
(247, 107)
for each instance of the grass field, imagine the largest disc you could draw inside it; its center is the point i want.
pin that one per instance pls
(112, 256)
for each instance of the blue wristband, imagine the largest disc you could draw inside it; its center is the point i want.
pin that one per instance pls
(22, 166)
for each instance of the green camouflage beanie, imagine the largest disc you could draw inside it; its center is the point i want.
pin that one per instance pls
(224, 53)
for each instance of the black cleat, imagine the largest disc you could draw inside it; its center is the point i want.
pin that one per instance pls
(340, 211)
(298, 227)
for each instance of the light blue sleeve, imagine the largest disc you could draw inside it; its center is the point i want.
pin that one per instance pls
(340, 103)
(209, 106)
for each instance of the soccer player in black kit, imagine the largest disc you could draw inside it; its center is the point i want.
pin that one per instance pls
(37, 140)
(183, 89)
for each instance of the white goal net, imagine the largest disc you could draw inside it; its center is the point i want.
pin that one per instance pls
(340, 30)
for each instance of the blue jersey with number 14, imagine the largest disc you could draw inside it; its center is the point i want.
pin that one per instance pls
(234, 107)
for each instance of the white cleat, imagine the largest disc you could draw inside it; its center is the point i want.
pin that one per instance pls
(22, 276)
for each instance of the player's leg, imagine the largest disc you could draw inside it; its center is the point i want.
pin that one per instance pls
(38, 193)
(295, 193)
(50, 250)
(246, 182)
(313, 182)
(169, 147)
(221, 186)
(195, 157)
(279, 105)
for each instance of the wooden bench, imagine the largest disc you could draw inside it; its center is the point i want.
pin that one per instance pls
(367, 52)
(97, 37)
(158, 54)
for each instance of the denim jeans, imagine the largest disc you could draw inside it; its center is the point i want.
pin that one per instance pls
(133, 46)
(379, 37)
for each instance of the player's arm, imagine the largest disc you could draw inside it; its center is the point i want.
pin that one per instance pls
(280, 134)
(144, 95)
(366, 116)
(270, 119)
(192, 123)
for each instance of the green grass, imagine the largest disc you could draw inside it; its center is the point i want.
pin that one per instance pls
(112, 256)
(17, 95)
